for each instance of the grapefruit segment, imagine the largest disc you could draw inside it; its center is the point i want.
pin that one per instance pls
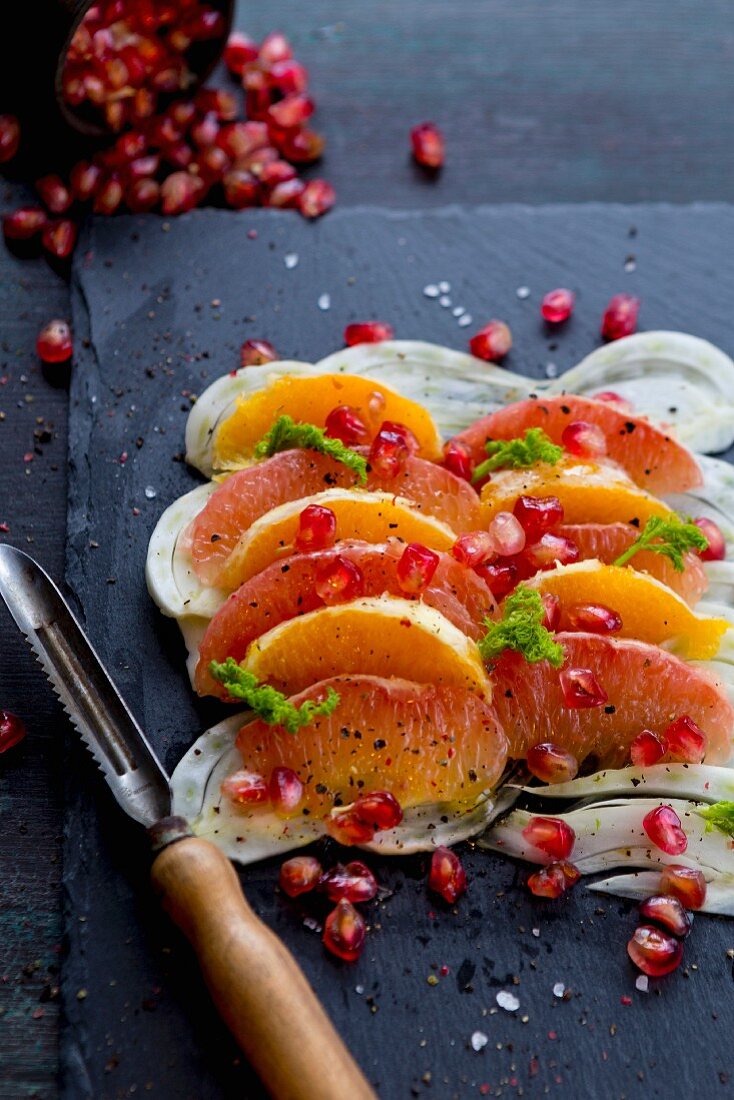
(653, 459)
(378, 636)
(424, 743)
(647, 688)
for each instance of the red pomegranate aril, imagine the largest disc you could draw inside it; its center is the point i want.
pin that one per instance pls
(291, 111)
(583, 439)
(285, 790)
(716, 549)
(178, 155)
(245, 788)
(408, 438)
(59, 238)
(317, 197)
(355, 882)
(447, 877)
(54, 342)
(216, 101)
(178, 193)
(538, 514)
(54, 193)
(240, 139)
(254, 353)
(457, 459)
(348, 828)
(164, 131)
(275, 47)
(207, 23)
(299, 875)
(620, 317)
(550, 835)
(108, 197)
(24, 223)
(275, 172)
(367, 332)
(345, 423)
(654, 952)
(129, 147)
(687, 884)
(668, 912)
(388, 454)
(9, 137)
(662, 826)
(499, 577)
(552, 763)
(257, 102)
(339, 581)
(238, 52)
(473, 549)
(142, 195)
(12, 730)
(289, 77)
(416, 568)
(285, 195)
(507, 534)
(204, 131)
(686, 741)
(549, 550)
(581, 688)
(554, 879)
(210, 164)
(592, 618)
(345, 931)
(83, 179)
(304, 146)
(316, 528)
(429, 149)
(491, 342)
(182, 113)
(551, 611)
(647, 749)
(557, 305)
(143, 167)
(621, 404)
(380, 809)
(241, 189)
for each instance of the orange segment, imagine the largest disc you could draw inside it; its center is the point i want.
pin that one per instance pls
(310, 399)
(377, 739)
(589, 492)
(650, 611)
(372, 517)
(378, 636)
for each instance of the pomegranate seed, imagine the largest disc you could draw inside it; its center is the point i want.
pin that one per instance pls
(316, 528)
(686, 884)
(142, 195)
(216, 101)
(686, 740)
(550, 550)
(210, 164)
(716, 549)
(285, 195)
(348, 828)
(380, 809)
(620, 317)
(507, 534)
(355, 882)
(345, 931)
(182, 113)
(551, 611)
(457, 459)
(59, 238)
(662, 826)
(9, 137)
(238, 52)
(447, 877)
(552, 763)
(54, 193)
(668, 912)
(129, 147)
(647, 749)
(254, 353)
(404, 432)
(299, 875)
(241, 189)
(428, 145)
(538, 514)
(275, 47)
(346, 424)
(416, 568)
(178, 155)
(83, 179)
(654, 952)
(388, 453)
(585, 440)
(581, 688)
(553, 880)
(285, 791)
(54, 343)
(178, 193)
(592, 618)
(291, 111)
(557, 306)
(317, 197)
(277, 171)
(491, 342)
(24, 223)
(474, 548)
(550, 835)
(206, 24)
(240, 139)
(244, 788)
(204, 131)
(108, 197)
(339, 581)
(500, 578)
(621, 404)
(304, 147)
(367, 332)
(12, 728)
(289, 77)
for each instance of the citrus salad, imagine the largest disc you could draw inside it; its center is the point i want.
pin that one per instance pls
(430, 582)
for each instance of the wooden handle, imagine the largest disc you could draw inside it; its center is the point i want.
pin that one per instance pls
(258, 987)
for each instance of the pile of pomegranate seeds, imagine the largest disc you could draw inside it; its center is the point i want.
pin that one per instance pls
(447, 876)
(620, 317)
(428, 145)
(12, 730)
(54, 343)
(557, 306)
(658, 950)
(345, 929)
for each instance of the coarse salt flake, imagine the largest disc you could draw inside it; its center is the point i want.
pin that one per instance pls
(479, 1040)
(523, 292)
(507, 1000)
(431, 291)
(642, 983)
(559, 989)
(324, 302)
(290, 260)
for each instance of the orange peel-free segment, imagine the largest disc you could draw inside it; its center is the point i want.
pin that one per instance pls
(425, 743)
(589, 492)
(372, 517)
(650, 611)
(309, 399)
(377, 636)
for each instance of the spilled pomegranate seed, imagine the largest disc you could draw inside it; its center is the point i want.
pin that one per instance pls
(491, 342)
(12, 730)
(254, 353)
(299, 875)
(84, 179)
(317, 197)
(581, 688)
(380, 809)
(593, 618)
(654, 952)
(447, 877)
(428, 145)
(662, 826)
(9, 137)
(24, 223)
(416, 567)
(338, 581)
(686, 741)
(647, 749)
(244, 788)
(346, 424)
(507, 534)
(367, 332)
(285, 790)
(552, 763)
(716, 549)
(538, 514)
(668, 912)
(348, 828)
(178, 193)
(389, 453)
(551, 835)
(59, 238)
(143, 195)
(583, 439)
(620, 317)
(240, 49)
(557, 305)
(687, 884)
(54, 343)
(108, 197)
(316, 528)
(355, 882)
(54, 194)
(275, 47)
(553, 880)
(474, 548)
(457, 459)
(241, 189)
(345, 931)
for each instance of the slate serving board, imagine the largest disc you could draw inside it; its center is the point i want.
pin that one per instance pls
(160, 309)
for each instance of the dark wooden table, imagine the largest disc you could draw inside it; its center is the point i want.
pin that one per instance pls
(540, 102)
